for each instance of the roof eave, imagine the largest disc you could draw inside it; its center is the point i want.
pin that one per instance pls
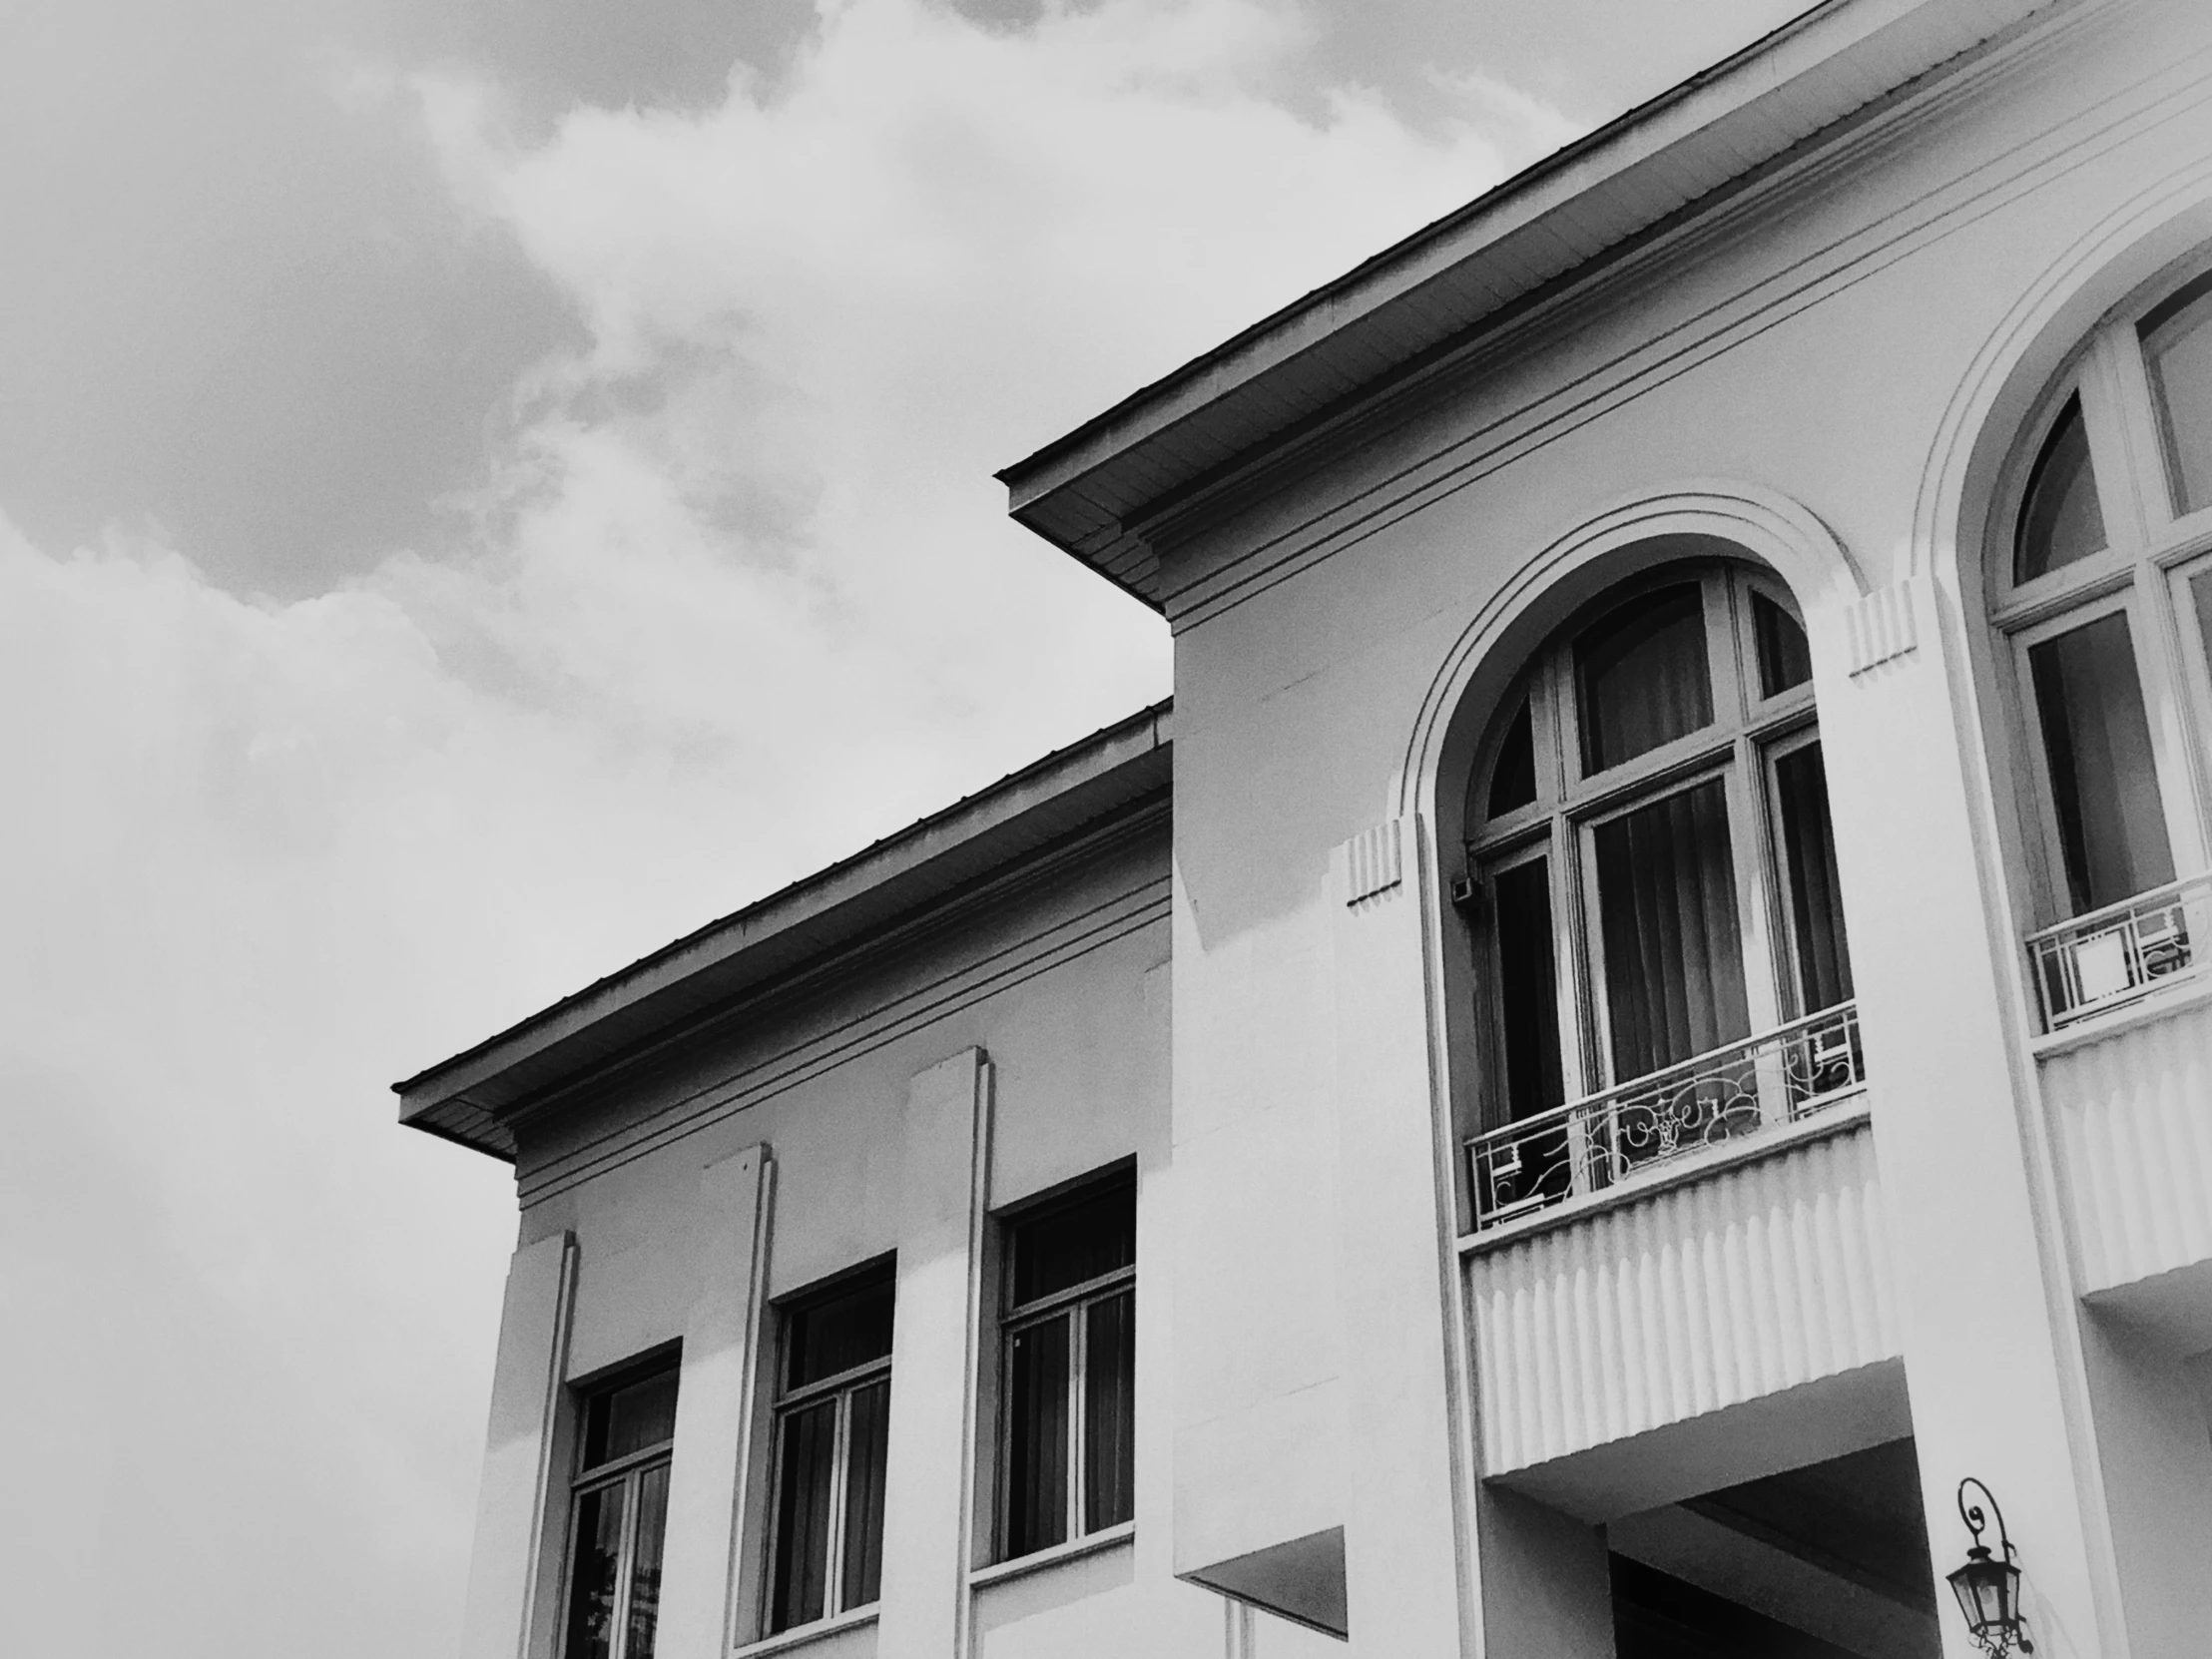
(466, 1097)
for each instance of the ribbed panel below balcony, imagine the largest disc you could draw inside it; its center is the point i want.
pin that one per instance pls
(2132, 1117)
(1729, 1285)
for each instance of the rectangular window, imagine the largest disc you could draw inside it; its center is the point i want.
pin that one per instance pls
(2098, 749)
(1527, 987)
(1069, 1468)
(1823, 951)
(619, 1516)
(832, 1419)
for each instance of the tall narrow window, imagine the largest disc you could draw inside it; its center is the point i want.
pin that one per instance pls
(2115, 721)
(832, 1423)
(619, 1516)
(1822, 950)
(1069, 1465)
(2103, 777)
(1527, 987)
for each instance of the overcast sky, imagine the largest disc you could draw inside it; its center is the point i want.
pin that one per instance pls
(486, 486)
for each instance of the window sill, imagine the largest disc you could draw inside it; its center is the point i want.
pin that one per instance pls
(1093, 1543)
(800, 1635)
(2186, 990)
(1842, 1114)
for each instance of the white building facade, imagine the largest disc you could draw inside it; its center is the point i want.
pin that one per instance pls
(1651, 1018)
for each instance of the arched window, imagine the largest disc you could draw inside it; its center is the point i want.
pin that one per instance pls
(2100, 563)
(1654, 886)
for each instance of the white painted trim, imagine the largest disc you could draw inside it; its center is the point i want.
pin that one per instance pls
(2189, 991)
(1042, 1560)
(785, 1641)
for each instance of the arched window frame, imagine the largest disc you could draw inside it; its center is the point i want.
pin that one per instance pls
(2153, 550)
(1749, 733)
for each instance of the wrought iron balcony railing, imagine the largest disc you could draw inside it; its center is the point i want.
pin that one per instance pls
(2115, 955)
(1781, 1076)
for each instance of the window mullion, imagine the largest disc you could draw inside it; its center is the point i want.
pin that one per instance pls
(841, 1456)
(1578, 1065)
(2174, 758)
(1758, 910)
(626, 1560)
(1078, 1345)
(2130, 474)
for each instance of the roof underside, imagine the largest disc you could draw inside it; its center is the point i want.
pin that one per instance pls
(1433, 294)
(468, 1097)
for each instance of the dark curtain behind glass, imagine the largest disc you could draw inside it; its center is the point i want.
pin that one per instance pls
(1785, 655)
(1037, 1447)
(867, 1466)
(1109, 1412)
(2062, 519)
(1069, 1245)
(1528, 991)
(1674, 969)
(630, 1418)
(838, 1331)
(1644, 677)
(803, 1496)
(2200, 589)
(2096, 740)
(591, 1595)
(645, 1566)
(1513, 777)
(1816, 895)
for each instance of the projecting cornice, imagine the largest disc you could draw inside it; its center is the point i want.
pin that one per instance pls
(1070, 793)
(1440, 290)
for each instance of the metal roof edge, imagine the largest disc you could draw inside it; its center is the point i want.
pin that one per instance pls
(1798, 49)
(981, 828)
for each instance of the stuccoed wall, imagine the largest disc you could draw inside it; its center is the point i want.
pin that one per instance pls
(861, 1103)
(1806, 343)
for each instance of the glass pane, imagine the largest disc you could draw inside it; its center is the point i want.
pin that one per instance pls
(1815, 896)
(590, 1588)
(630, 1418)
(1037, 1437)
(867, 1464)
(1784, 658)
(2177, 349)
(1643, 676)
(836, 1333)
(1075, 1242)
(1527, 986)
(645, 1568)
(2062, 519)
(1110, 1412)
(2200, 589)
(1674, 965)
(1513, 779)
(2096, 738)
(805, 1477)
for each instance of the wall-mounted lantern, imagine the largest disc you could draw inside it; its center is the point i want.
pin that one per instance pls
(1988, 1586)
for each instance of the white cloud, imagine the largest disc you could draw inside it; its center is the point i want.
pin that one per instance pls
(741, 597)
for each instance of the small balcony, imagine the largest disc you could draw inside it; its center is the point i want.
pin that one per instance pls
(1669, 1275)
(2123, 952)
(1646, 1128)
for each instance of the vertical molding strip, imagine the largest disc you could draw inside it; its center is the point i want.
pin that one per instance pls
(713, 1408)
(514, 1535)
